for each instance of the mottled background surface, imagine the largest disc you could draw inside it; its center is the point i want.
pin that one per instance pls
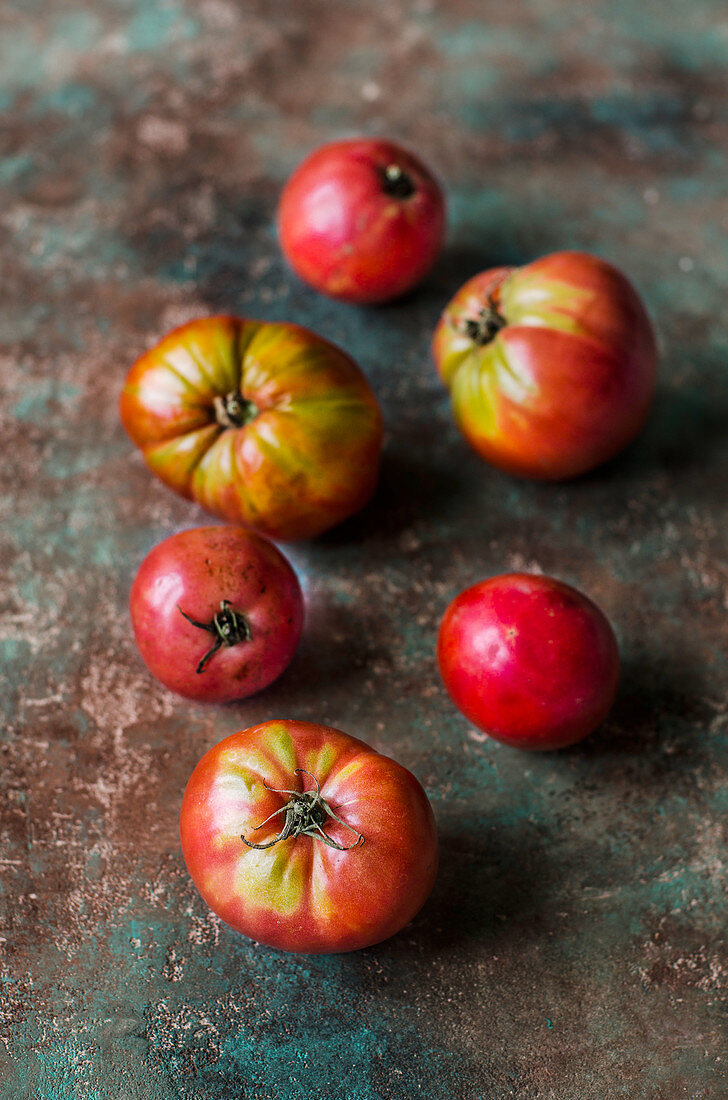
(574, 947)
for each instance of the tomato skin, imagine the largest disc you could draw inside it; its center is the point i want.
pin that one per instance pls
(195, 571)
(307, 457)
(301, 895)
(529, 660)
(344, 235)
(567, 381)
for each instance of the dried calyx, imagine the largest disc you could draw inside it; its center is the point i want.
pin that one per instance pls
(305, 814)
(397, 183)
(486, 325)
(233, 410)
(228, 627)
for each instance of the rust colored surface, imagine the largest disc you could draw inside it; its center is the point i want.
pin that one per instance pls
(574, 947)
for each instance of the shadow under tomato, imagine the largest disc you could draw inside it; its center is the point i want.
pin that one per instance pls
(684, 438)
(488, 888)
(412, 488)
(337, 644)
(461, 260)
(659, 699)
(685, 435)
(498, 886)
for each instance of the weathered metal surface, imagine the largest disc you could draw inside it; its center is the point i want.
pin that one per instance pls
(574, 947)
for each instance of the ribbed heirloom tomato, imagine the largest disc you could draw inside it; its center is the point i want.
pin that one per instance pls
(361, 220)
(217, 613)
(306, 839)
(263, 424)
(551, 367)
(529, 660)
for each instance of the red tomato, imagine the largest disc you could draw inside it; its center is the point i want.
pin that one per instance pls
(217, 613)
(529, 660)
(306, 839)
(551, 367)
(361, 220)
(263, 424)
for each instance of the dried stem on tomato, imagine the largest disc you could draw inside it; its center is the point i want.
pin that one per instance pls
(397, 183)
(233, 410)
(486, 325)
(305, 814)
(228, 626)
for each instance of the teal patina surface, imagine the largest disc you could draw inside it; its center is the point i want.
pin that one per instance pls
(575, 945)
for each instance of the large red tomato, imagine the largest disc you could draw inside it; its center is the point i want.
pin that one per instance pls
(529, 660)
(306, 839)
(263, 424)
(217, 613)
(361, 220)
(551, 366)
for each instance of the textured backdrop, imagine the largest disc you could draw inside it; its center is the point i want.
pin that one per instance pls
(574, 947)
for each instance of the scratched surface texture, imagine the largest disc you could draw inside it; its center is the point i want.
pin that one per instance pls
(574, 946)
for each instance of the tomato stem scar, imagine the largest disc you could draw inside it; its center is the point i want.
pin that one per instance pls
(486, 325)
(305, 813)
(233, 410)
(397, 183)
(227, 625)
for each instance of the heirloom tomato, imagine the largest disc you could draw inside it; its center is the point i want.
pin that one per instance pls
(361, 220)
(306, 839)
(550, 367)
(217, 613)
(263, 424)
(529, 660)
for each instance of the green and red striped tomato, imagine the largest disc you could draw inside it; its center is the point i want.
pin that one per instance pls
(306, 839)
(551, 367)
(263, 424)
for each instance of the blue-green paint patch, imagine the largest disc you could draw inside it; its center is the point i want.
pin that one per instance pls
(153, 27)
(21, 64)
(34, 405)
(101, 250)
(333, 116)
(79, 30)
(13, 167)
(691, 36)
(473, 41)
(690, 189)
(13, 649)
(361, 61)
(472, 81)
(73, 100)
(68, 460)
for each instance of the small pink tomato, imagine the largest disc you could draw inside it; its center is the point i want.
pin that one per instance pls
(217, 613)
(361, 220)
(529, 660)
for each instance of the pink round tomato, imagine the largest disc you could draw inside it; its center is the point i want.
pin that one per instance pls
(306, 839)
(263, 424)
(551, 367)
(361, 220)
(217, 613)
(529, 660)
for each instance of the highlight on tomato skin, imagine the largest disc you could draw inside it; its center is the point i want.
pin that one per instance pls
(551, 367)
(264, 424)
(361, 220)
(529, 660)
(306, 839)
(217, 613)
